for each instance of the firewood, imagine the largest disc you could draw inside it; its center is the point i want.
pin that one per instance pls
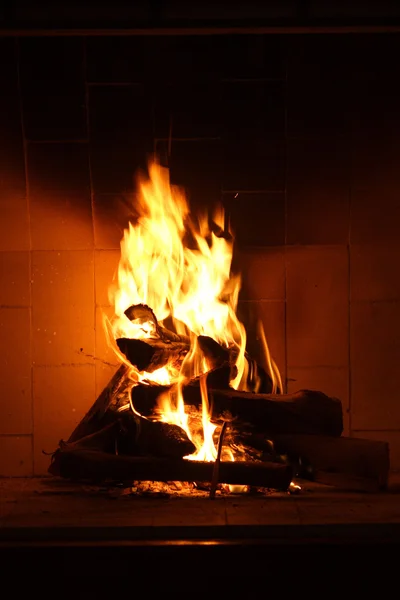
(109, 400)
(143, 313)
(88, 465)
(152, 354)
(306, 411)
(216, 354)
(103, 440)
(349, 463)
(139, 436)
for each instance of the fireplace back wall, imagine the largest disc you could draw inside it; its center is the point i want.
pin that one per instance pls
(297, 135)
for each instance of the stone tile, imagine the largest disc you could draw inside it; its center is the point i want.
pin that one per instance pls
(391, 437)
(263, 273)
(257, 219)
(15, 371)
(61, 222)
(58, 168)
(317, 306)
(117, 59)
(375, 211)
(375, 94)
(14, 224)
(318, 82)
(253, 165)
(53, 87)
(196, 166)
(64, 336)
(105, 270)
(373, 272)
(111, 216)
(375, 354)
(333, 381)
(16, 459)
(63, 307)
(318, 191)
(120, 136)
(272, 316)
(64, 278)
(15, 281)
(12, 161)
(256, 57)
(104, 353)
(187, 110)
(62, 395)
(253, 110)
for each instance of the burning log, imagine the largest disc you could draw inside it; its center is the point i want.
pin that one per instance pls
(152, 354)
(88, 465)
(141, 313)
(349, 463)
(138, 436)
(217, 355)
(306, 411)
(132, 435)
(109, 400)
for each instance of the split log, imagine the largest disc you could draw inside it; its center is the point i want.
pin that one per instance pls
(152, 354)
(353, 464)
(139, 436)
(306, 411)
(258, 380)
(109, 400)
(141, 313)
(87, 465)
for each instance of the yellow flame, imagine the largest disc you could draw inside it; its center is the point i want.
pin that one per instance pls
(181, 268)
(271, 364)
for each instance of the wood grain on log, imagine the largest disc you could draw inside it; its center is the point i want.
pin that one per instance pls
(88, 465)
(152, 354)
(306, 411)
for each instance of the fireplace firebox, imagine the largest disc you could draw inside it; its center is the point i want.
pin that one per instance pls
(277, 154)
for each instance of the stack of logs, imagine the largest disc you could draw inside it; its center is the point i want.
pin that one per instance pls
(282, 435)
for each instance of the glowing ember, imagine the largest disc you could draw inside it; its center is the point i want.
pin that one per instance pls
(181, 268)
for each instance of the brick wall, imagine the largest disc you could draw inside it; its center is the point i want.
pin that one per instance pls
(298, 135)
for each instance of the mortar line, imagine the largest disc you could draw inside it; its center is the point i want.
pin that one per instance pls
(349, 321)
(30, 269)
(85, 73)
(285, 201)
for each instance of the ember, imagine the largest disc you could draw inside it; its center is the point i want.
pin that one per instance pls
(187, 384)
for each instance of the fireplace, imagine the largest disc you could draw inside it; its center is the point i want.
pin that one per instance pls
(294, 135)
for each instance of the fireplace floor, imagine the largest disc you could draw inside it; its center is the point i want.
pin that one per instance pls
(68, 527)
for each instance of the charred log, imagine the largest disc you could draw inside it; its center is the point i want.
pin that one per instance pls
(141, 313)
(139, 436)
(88, 465)
(111, 398)
(217, 355)
(306, 411)
(151, 354)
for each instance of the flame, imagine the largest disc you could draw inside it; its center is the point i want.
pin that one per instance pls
(181, 268)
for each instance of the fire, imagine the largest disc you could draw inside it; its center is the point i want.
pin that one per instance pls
(181, 268)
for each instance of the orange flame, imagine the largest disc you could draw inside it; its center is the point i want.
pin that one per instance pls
(181, 268)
